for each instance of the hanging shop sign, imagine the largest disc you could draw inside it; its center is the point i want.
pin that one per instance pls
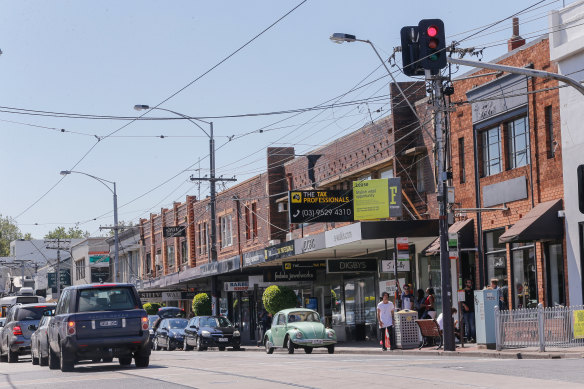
(253, 258)
(388, 265)
(236, 286)
(403, 248)
(377, 199)
(174, 232)
(342, 235)
(320, 206)
(280, 250)
(309, 243)
(352, 265)
(277, 275)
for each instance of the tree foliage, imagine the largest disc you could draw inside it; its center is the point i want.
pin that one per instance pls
(276, 298)
(202, 305)
(9, 231)
(152, 308)
(71, 233)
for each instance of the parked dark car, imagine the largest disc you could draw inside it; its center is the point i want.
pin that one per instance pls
(99, 321)
(39, 342)
(170, 334)
(15, 335)
(211, 331)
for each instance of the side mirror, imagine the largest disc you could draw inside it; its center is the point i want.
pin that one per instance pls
(192, 326)
(32, 327)
(49, 312)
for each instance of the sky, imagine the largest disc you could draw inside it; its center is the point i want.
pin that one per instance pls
(101, 58)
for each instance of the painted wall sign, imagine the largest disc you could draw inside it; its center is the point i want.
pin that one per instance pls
(319, 206)
(280, 250)
(309, 243)
(342, 235)
(351, 265)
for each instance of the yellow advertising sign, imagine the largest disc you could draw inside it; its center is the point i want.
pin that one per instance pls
(579, 324)
(371, 199)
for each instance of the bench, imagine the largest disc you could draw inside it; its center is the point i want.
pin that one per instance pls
(429, 329)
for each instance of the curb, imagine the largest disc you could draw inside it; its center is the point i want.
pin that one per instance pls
(472, 354)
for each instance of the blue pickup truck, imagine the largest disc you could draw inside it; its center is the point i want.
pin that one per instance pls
(98, 322)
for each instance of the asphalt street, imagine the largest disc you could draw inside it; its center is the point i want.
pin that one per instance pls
(214, 369)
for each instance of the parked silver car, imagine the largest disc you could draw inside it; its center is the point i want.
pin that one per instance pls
(39, 342)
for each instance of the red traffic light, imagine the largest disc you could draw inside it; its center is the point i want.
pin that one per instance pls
(432, 31)
(433, 43)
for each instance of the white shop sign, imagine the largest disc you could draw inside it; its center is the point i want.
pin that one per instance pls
(171, 296)
(388, 265)
(236, 286)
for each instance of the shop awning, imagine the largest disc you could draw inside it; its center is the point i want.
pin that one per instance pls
(466, 237)
(542, 222)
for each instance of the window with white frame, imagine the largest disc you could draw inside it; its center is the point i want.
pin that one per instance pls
(80, 269)
(203, 238)
(491, 148)
(386, 173)
(518, 141)
(226, 231)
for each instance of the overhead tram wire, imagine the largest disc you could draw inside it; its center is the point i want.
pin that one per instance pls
(164, 101)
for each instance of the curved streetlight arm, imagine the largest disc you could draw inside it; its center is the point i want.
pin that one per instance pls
(140, 107)
(340, 38)
(101, 180)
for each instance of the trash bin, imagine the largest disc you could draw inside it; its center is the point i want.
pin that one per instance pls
(407, 334)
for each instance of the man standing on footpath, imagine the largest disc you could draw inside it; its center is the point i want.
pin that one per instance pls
(468, 312)
(385, 311)
(407, 298)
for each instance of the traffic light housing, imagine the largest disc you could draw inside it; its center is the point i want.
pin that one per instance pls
(432, 45)
(411, 51)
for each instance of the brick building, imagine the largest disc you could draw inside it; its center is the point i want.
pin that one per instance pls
(504, 157)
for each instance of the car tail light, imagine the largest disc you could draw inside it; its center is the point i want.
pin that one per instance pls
(17, 330)
(145, 323)
(71, 328)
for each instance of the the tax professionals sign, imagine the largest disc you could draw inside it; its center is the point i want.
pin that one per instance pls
(319, 206)
(377, 199)
(351, 265)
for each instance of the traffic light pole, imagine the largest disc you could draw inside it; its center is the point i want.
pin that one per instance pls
(446, 285)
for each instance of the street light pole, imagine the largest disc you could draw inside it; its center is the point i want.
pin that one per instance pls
(116, 227)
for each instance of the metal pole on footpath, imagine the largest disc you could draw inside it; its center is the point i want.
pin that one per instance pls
(540, 327)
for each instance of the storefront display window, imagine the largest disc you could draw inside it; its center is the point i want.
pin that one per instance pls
(524, 276)
(338, 308)
(554, 258)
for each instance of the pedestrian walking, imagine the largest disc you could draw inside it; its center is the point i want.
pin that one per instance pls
(385, 310)
(468, 312)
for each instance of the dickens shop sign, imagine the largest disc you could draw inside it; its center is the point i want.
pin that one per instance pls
(352, 265)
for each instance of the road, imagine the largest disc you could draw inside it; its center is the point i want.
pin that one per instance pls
(214, 369)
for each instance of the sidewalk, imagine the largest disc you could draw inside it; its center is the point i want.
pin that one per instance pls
(469, 350)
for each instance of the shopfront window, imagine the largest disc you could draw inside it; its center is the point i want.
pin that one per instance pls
(496, 258)
(338, 308)
(554, 260)
(524, 275)
(361, 306)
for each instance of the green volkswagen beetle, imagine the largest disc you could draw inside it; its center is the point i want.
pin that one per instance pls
(299, 328)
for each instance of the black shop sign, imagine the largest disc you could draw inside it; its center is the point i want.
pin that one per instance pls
(352, 265)
(281, 250)
(278, 275)
(174, 232)
(320, 206)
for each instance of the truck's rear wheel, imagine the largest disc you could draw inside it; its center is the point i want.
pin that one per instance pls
(53, 359)
(67, 363)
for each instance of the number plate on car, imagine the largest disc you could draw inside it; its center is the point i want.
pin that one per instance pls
(222, 339)
(316, 341)
(108, 323)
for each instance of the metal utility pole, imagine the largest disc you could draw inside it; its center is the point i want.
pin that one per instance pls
(55, 244)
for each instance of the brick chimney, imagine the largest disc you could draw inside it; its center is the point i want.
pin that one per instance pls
(516, 40)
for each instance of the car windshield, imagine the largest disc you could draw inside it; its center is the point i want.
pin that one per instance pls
(294, 317)
(106, 299)
(30, 313)
(177, 323)
(214, 322)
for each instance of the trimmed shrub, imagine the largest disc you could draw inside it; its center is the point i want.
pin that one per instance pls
(276, 298)
(152, 308)
(202, 305)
